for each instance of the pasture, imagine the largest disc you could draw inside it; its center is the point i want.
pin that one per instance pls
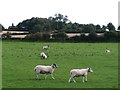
(20, 58)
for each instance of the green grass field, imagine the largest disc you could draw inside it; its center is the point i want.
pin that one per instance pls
(20, 58)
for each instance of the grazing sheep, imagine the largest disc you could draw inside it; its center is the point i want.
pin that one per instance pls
(43, 55)
(45, 70)
(79, 72)
(45, 47)
(107, 50)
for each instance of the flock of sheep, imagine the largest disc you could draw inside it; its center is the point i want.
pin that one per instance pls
(41, 69)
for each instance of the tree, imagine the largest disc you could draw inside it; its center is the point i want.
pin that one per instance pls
(59, 21)
(37, 28)
(118, 27)
(92, 36)
(98, 28)
(68, 27)
(104, 28)
(87, 28)
(36, 24)
(111, 27)
(1, 27)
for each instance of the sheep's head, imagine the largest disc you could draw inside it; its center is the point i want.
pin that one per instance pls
(90, 70)
(54, 66)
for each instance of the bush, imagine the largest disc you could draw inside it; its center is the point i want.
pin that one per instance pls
(75, 38)
(111, 36)
(6, 35)
(38, 36)
(83, 37)
(60, 36)
(92, 36)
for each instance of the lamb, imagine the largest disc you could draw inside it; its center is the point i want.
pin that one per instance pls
(45, 70)
(45, 47)
(43, 55)
(78, 73)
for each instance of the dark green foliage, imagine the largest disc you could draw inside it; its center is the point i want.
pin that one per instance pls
(111, 27)
(99, 29)
(75, 39)
(118, 27)
(118, 36)
(35, 24)
(59, 24)
(60, 36)
(6, 35)
(1, 27)
(38, 36)
(83, 37)
(92, 36)
(111, 36)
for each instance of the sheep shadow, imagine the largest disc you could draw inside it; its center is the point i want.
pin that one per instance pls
(40, 79)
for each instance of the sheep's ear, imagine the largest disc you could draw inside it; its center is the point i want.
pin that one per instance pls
(54, 64)
(89, 69)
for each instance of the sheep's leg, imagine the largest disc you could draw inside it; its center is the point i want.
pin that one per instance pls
(74, 80)
(36, 76)
(69, 79)
(52, 77)
(83, 79)
(86, 78)
(46, 76)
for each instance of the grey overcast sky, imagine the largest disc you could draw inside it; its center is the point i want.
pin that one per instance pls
(81, 11)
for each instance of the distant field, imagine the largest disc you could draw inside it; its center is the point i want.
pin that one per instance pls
(19, 59)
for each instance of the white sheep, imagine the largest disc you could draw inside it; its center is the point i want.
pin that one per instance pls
(45, 47)
(78, 73)
(43, 55)
(107, 50)
(41, 69)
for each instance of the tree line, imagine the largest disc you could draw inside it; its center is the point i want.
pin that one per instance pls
(58, 25)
